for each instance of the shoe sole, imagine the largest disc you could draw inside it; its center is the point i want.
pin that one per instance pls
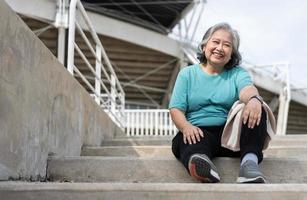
(203, 169)
(258, 179)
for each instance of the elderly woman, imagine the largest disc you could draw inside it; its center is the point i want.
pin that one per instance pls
(202, 97)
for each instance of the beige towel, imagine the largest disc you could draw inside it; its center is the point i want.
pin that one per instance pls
(232, 130)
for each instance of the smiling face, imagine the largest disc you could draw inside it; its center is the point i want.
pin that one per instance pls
(218, 49)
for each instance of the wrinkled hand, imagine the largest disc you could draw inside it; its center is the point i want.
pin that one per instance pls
(252, 113)
(192, 134)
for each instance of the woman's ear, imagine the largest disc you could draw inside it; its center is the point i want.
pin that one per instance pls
(203, 48)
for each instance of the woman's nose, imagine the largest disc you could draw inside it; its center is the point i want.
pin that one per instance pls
(219, 47)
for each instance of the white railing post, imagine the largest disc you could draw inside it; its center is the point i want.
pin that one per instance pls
(61, 22)
(141, 115)
(149, 122)
(128, 123)
(113, 93)
(156, 123)
(284, 101)
(161, 123)
(151, 119)
(165, 125)
(98, 73)
(282, 113)
(71, 36)
(133, 126)
(61, 45)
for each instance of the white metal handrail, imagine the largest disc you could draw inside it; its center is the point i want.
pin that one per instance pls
(149, 122)
(113, 98)
(281, 72)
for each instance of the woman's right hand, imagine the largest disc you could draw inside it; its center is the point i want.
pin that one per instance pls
(191, 134)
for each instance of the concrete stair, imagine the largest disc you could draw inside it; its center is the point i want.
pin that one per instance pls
(131, 151)
(152, 191)
(289, 141)
(165, 151)
(138, 141)
(144, 168)
(165, 170)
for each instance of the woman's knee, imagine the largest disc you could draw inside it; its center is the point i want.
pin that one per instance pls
(176, 145)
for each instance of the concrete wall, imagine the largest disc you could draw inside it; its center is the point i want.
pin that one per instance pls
(43, 110)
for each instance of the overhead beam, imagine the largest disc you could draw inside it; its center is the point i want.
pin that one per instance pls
(46, 9)
(134, 34)
(43, 9)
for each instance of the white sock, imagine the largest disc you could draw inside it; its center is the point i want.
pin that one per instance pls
(250, 156)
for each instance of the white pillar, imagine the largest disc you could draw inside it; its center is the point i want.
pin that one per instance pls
(282, 113)
(61, 44)
(71, 36)
(284, 102)
(113, 93)
(98, 74)
(61, 21)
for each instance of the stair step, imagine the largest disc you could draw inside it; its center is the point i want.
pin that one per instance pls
(135, 151)
(163, 170)
(289, 140)
(300, 140)
(113, 169)
(138, 141)
(165, 151)
(287, 151)
(154, 191)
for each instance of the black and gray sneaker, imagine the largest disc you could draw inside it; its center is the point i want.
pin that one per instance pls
(203, 169)
(250, 173)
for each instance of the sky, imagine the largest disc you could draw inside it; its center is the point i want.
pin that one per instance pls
(270, 31)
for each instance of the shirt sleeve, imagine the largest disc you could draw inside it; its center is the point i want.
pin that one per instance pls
(180, 92)
(243, 79)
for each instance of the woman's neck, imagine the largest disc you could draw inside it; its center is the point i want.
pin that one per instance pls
(211, 69)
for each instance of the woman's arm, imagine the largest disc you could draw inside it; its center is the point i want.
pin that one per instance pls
(252, 110)
(191, 134)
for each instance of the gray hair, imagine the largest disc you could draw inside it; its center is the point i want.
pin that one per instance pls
(235, 56)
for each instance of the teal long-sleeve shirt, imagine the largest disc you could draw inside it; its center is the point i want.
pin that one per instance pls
(206, 99)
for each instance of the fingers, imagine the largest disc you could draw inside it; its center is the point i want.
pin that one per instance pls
(187, 139)
(192, 135)
(197, 136)
(245, 116)
(252, 114)
(193, 138)
(259, 118)
(200, 132)
(252, 119)
(184, 139)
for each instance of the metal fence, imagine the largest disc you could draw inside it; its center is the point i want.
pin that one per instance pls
(149, 122)
(107, 91)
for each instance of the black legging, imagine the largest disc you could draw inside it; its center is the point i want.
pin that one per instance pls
(251, 141)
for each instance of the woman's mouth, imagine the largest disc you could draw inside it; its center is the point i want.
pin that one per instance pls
(218, 55)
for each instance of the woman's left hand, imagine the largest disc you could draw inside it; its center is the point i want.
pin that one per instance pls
(252, 113)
